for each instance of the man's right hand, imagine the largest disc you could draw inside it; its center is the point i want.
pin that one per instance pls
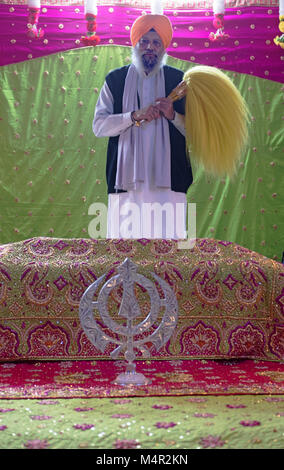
(146, 114)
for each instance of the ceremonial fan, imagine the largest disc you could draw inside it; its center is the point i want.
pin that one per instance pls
(216, 119)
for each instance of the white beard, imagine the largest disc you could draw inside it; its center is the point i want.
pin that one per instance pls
(137, 61)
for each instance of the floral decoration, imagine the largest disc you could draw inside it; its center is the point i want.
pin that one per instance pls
(220, 34)
(165, 425)
(211, 442)
(125, 444)
(34, 32)
(279, 40)
(90, 39)
(250, 423)
(83, 427)
(37, 444)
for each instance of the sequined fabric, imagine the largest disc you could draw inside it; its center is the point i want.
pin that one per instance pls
(231, 300)
(169, 423)
(94, 379)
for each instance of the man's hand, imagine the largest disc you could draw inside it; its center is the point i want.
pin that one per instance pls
(165, 106)
(146, 114)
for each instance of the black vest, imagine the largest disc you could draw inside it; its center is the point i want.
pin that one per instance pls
(181, 174)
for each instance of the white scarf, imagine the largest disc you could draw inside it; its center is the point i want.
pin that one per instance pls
(130, 164)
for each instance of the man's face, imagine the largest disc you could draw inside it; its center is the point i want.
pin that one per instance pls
(151, 50)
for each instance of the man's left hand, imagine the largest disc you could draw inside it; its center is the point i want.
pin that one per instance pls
(165, 106)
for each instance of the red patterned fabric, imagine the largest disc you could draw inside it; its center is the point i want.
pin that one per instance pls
(91, 379)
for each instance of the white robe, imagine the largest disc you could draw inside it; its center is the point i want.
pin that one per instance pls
(132, 214)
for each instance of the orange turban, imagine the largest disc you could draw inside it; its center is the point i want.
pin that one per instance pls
(160, 23)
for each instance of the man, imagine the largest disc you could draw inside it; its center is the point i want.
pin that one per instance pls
(148, 171)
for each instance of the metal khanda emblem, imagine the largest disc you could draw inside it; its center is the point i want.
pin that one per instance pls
(130, 310)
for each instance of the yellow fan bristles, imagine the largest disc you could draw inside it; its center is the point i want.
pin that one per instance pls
(216, 120)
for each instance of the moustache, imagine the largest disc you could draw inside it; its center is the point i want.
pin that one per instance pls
(150, 56)
(150, 53)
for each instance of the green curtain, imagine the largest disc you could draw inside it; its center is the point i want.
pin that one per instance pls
(53, 167)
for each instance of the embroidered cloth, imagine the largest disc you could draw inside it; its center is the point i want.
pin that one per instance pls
(231, 299)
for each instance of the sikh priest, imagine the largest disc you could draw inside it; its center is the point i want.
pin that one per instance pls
(147, 162)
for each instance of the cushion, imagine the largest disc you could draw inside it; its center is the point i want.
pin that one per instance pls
(230, 299)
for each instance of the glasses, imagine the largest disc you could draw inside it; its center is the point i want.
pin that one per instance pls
(145, 43)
